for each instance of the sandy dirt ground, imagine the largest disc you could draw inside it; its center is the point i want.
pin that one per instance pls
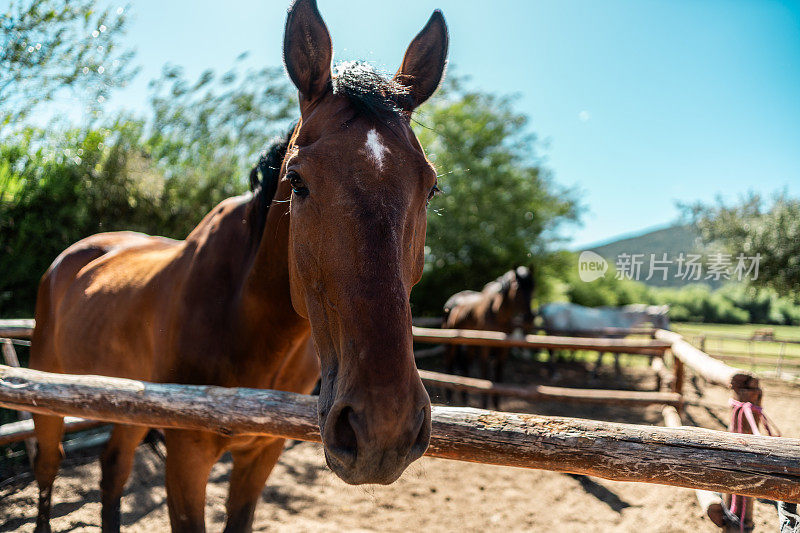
(433, 495)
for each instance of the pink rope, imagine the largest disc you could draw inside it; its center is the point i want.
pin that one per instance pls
(741, 411)
(744, 411)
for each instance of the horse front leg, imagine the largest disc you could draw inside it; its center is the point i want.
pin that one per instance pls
(465, 356)
(450, 356)
(551, 362)
(251, 468)
(500, 357)
(598, 364)
(486, 355)
(190, 456)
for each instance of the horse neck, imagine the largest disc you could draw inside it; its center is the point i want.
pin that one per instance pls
(266, 299)
(506, 310)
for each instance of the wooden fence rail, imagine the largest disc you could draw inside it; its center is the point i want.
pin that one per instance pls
(548, 393)
(687, 457)
(21, 328)
(22, 430)
(499, 339)
(435, 322)
(712, 370)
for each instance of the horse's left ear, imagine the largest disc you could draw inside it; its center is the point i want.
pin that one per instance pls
(425, 61)
(307, 50)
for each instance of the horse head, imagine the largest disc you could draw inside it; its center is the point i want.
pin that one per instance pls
(515, 293)
(659, 316)
(526, 286)
(358, 184)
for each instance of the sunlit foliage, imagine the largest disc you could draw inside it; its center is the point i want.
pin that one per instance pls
(47, 46)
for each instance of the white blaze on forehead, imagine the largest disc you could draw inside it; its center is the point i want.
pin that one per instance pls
(375, 148)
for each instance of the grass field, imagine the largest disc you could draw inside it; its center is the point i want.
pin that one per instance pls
(759, 356)
(690, 330)
(781, 332)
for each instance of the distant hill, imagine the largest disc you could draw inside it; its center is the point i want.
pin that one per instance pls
(672, 241)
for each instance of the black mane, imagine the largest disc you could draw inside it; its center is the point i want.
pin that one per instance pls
(369, 91)
(269, 167)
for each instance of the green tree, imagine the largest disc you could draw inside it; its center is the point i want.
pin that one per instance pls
(499, 207)
(159, 176)
(206, 134)
(53, 193)
(50, 45)
(755, 226)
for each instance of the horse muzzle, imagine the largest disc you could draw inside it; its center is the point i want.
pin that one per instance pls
(367, 442)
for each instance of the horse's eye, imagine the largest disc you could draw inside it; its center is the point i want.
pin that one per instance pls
(298, 185)
(434, 191)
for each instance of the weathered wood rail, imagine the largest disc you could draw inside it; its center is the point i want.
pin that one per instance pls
(435, 322)
(712, 370)
(548, 393)
(499, 339)
(22, 430)
(687, 457)
(19, 328)
(23, 328)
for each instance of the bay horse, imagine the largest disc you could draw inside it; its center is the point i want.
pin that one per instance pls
(309, 274)
(503, 305)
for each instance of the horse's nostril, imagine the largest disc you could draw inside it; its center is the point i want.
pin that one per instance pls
(423, 436)
(344, 445)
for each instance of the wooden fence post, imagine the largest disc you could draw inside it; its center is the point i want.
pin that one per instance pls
(745, 389)
(11, 359)
(680, 374)
(710, 502)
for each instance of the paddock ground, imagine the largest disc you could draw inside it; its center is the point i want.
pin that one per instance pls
(434, 495)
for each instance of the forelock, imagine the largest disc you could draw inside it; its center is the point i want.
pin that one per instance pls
(370, 92)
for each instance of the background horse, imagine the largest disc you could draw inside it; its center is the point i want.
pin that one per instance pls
(563, 318)
(503, 305)
(312, 271)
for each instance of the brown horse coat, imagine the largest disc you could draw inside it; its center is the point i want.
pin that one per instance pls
(266, 298)
(503, 305)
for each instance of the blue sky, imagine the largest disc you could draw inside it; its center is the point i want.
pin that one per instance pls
(638, 103)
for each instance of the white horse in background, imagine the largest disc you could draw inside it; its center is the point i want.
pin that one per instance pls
(563, 318)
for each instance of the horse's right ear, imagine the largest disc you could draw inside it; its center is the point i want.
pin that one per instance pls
(425, 61)
(307, 50)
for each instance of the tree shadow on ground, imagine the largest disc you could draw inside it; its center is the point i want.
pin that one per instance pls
(600, 492)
